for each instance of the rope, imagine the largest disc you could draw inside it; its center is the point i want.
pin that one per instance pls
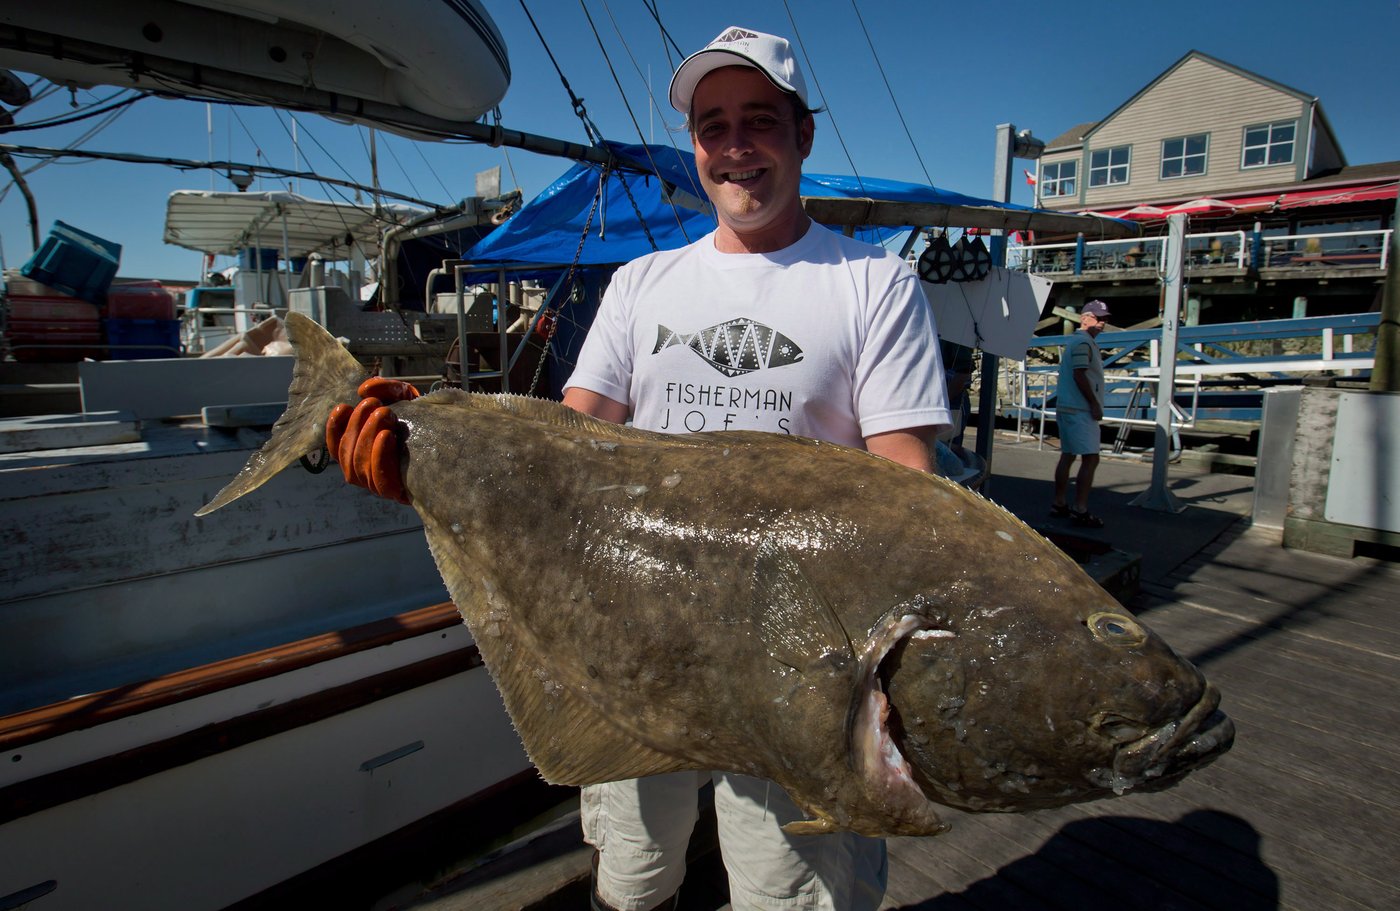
(637, 126)
(594, 137)
(839, 138)
(897, 111)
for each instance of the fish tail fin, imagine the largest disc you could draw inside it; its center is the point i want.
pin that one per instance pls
(665, 338)
(325, 374)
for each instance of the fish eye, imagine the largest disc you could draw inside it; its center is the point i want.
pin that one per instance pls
(1116, 629)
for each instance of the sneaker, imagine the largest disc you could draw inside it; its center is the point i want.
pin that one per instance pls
(1085, 519)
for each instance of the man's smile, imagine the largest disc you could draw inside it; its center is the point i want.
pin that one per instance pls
(741, 176)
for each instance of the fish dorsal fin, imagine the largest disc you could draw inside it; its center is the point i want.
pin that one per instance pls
(544, 411)
(566, 736)
(798, 625)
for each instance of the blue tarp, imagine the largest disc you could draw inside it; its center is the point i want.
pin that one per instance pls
(547, 229)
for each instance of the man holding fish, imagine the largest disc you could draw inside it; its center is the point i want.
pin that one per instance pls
(770, 323)
(835, 633)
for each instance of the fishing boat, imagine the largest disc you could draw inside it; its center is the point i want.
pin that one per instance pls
(355, 60)
(195, 712)
(288, 678)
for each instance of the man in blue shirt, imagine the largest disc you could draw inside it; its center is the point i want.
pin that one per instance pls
(1078, 411)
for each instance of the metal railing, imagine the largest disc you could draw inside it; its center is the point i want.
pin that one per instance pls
(1134, 359)
(1033, 390)
(1240, 249)
(1366, 249)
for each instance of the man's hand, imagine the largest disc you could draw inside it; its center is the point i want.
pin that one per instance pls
(364, 438)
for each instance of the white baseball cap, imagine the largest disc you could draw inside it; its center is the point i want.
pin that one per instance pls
(770, 55)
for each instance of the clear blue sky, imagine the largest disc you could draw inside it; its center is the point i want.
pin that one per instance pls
(956, 70)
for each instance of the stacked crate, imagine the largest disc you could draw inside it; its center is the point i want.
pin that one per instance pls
(140, 322)
(43, 324)
(62, 305)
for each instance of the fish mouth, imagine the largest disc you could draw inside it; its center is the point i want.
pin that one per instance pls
(1162, 757)
(882, 765)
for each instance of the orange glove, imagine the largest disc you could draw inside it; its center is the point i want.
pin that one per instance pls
(364, 438)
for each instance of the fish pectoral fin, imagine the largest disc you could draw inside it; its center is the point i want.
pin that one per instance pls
(566, 735)
(798, 625)
(810, 827)
(572, 743)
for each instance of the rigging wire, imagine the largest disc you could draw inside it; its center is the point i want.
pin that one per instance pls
(394, 155)
(312, 136)
(101, 125)
(637, 126)
(63, 121)
(651, 8)
(446, 193)
(514, 181)
(257, 148)
(594, 136)
(184, 164)
(694, 188)
(331, 187)
(839, 138)
(889, 89)
(651, 98)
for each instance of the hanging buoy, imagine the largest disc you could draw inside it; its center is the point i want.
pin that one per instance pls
(936, 263)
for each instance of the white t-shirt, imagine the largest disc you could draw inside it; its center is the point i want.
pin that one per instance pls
(829, 338)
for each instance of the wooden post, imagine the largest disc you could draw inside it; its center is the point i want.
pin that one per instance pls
(1385, 375)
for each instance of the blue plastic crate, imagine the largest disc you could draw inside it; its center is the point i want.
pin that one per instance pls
(75, 262)
(141, 339)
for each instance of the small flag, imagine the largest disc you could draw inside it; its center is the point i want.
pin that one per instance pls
(1030, 178)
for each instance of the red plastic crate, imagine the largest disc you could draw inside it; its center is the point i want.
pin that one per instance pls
(53, 329)
(140, 300)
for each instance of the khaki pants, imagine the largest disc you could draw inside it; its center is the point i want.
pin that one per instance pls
(641, 829)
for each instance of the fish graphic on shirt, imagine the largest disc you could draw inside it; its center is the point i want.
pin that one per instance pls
(735, 347)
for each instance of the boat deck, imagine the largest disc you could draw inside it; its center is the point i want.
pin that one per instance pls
(1302, 814)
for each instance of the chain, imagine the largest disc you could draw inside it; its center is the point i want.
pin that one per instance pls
(552, 313)
(640, 220)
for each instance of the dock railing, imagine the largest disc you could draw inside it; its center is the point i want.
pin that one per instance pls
(1032, 389)
(1239, 249)
(1249, 355)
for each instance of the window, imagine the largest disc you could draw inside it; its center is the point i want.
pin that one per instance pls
(1184, 156)
(1058, 179)
(1268, 143)
(1109, 166)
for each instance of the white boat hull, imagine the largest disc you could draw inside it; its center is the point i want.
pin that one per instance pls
(194, 710)
(211, 832)
(441, 58)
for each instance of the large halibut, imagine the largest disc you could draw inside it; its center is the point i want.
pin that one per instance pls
(874, 639)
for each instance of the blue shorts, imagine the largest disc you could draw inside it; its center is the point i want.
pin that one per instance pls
(1079, 433)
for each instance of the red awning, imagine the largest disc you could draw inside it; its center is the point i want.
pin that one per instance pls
(1337, 196)
(1245, 205)
(1204, 207)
